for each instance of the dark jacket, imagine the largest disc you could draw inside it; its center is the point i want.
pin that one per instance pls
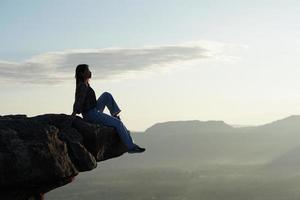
(85, 98)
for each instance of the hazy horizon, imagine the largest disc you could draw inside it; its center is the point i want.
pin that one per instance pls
(206, 160)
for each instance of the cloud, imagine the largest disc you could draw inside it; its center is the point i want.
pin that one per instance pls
(58, 67)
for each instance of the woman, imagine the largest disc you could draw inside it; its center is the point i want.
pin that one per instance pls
(92, 109)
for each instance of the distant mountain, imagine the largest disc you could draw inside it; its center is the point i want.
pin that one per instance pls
(287, 162)
(289, 124)
(194, 142)
(287, 131)
(190, 126)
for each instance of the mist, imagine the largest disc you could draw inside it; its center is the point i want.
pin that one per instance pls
(199, 160)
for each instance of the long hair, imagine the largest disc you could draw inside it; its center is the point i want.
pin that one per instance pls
(79, 71)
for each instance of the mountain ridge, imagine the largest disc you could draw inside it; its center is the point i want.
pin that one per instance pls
(287, 121)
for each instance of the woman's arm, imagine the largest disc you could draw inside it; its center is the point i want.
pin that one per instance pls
(80, 94)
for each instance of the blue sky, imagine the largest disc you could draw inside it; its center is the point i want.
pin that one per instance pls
(31, 27)
(208, 60)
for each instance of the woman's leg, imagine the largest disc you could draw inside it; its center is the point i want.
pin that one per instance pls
(106, 99)
(107, 120)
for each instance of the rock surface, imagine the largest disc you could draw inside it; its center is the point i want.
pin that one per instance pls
(41, 153)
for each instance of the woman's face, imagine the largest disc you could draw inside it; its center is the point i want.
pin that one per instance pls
(87, 74)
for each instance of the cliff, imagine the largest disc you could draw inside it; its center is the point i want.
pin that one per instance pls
(41, 153)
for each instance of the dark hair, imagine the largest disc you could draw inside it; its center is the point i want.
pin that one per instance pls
(79, 71)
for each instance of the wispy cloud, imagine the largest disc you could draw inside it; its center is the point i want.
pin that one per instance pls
(58, 67)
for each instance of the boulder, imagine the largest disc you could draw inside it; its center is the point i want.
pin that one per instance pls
(41, 153)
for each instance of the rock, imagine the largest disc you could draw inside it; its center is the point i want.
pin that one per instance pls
(41, 153)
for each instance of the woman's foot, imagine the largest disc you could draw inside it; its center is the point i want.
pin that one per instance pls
(136, 149)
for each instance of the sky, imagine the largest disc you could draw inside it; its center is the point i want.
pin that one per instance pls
(235, 61)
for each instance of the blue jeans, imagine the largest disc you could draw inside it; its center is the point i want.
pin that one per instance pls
(96, 115)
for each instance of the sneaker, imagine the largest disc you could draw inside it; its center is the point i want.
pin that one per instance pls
(136, 149)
